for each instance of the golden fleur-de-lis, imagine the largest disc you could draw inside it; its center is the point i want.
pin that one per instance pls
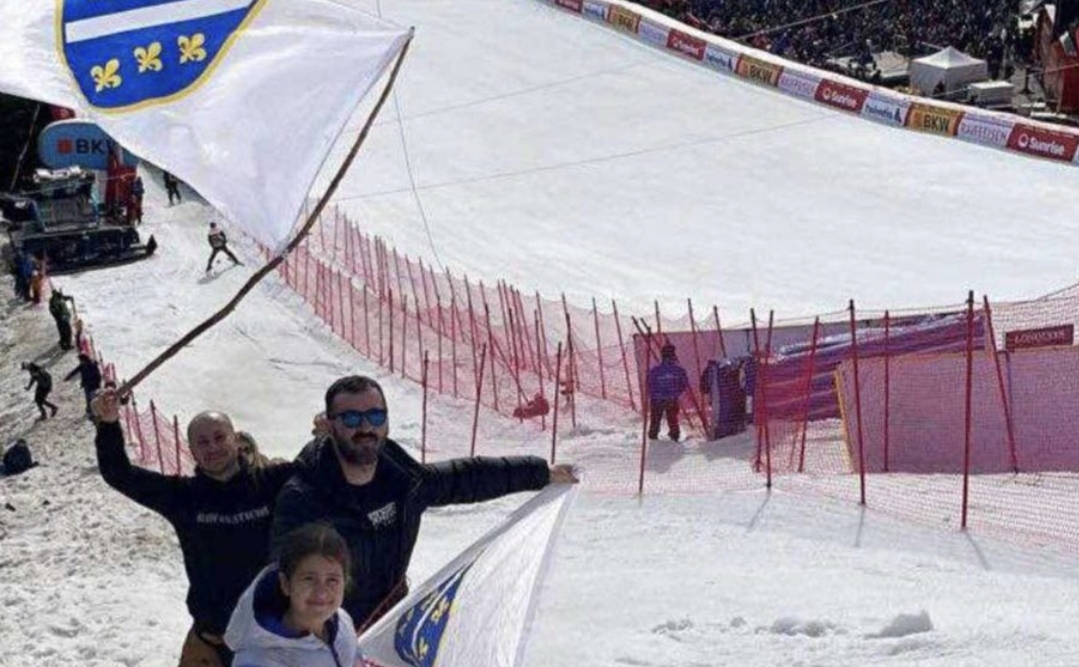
(107, 76)
(424, 648)
(191, 48)
(149, 58)
(440, 610)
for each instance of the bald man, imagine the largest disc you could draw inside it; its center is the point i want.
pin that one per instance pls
(222, 516)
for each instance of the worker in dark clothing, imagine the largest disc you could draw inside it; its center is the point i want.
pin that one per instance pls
(172, 187)
(221, 515)
(89, 378)
(24, 268)
(374, 493)
(219, 243)
(61, 314)
(666, 382)
(40, 377)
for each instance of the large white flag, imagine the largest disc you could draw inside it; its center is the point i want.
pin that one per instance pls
(242, 99)
(476, 611)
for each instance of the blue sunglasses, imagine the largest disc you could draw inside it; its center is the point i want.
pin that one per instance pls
(354, 418)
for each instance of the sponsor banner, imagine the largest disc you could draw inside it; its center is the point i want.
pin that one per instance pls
(620, 17)
(841, 96)
(572, 5)
(934, 120)
(720, 58)
(687, 45)
(758, 71)
(596, 10)
(985, 130)
(799, 84)
(886, 109)
(1040, 142)
(652, 33)
(1025, 339)
(77, 143)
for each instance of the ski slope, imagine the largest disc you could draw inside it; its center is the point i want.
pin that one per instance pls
(560, 155)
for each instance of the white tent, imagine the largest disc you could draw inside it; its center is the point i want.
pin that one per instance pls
(954, 68)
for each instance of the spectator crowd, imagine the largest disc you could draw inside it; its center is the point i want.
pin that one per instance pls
(815, 32)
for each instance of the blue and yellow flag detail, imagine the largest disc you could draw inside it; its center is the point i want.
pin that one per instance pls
(420, 629)
(127, 53)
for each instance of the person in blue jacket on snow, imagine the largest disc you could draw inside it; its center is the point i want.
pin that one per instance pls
(291, 614)
(666, 382)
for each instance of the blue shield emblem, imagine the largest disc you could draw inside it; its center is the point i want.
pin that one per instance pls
(124, 53)
(420, 629)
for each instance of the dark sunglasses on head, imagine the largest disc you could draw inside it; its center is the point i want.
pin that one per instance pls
(354, 418)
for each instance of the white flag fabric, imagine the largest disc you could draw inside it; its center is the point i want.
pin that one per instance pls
(242, 99)
(477, 610)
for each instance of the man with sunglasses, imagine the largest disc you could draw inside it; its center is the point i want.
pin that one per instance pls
(222, 517)
(374, 493)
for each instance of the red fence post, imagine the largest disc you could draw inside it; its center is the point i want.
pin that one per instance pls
(543, 336)
(968, 407)
(857, 399)
(599, 352)
(539, 374)
(693, 387)
(491, 346)
(177, 441)
(757, 422)
(625, 358)
(646, 409)
(992, 347)
(423, 418)
(479, 391)
(157, 438)
(719, 332)
(404, 336)
(453, 339)
(440, 335)
(390, 334)
(571, 367)
(808, 394)
(887, 386)
(138, 429)
(555, 400)
(761, 373)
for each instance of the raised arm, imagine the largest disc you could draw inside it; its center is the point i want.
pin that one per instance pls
(160, 493)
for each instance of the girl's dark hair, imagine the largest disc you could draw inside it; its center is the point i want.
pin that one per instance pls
(312, 539)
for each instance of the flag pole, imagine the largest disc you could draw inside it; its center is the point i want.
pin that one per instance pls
(225, 310)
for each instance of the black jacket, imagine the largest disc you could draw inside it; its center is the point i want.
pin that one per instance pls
(223, 527)
(89, 375)
(381, 520)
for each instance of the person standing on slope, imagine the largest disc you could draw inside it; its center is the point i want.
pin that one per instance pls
(89, 378)
(61, 314)
(666, 383)
(375, 494)
(172, 187)
(222, 517)
(219, 243)
(40, 377)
